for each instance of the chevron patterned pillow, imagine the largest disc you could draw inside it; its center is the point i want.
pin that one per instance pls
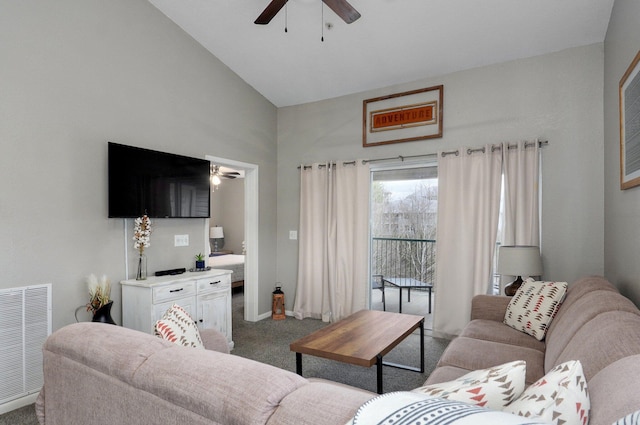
(178, 327)
(494, 387)
(534, 306)
(560, 397)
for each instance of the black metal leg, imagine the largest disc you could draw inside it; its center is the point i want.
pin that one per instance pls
(429, 300)
(408, 295)
(379, 368)
(299, 363)
(400, 300)
(422, 346)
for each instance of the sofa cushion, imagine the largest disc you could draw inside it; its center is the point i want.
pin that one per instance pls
(222, 387)
(490, 330)
(178, 327)
(561, 396)
(572, 317)
(493, 388)
(606, 338)
(472, 354)
(335, 403)
(534, 306)
(614, 391)
(407, 408)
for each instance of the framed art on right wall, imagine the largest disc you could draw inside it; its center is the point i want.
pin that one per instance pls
(630, 126)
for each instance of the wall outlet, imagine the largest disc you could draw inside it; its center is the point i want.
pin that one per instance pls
(293, 235)
(181, 240)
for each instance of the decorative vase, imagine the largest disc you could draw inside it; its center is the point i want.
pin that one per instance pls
(103, 314)
(199, 264)
(142, 267)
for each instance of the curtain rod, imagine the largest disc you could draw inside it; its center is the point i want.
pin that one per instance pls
(494, 148)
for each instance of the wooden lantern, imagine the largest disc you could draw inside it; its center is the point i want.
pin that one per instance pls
(277, 308)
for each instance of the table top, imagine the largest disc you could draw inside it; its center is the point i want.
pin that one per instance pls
(407, 282)
(358, 339)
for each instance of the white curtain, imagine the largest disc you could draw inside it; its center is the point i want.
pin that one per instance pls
(521, 164)
(469, 187)
(333, 246)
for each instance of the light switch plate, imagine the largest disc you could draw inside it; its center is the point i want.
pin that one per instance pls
(181, 240)
(293, 235)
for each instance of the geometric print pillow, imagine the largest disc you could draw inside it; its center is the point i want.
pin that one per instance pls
(493, 388)
(560, 397)
(409, 408)
(534, 305)
(178, 327)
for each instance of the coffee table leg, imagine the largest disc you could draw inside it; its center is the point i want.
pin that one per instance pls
(400, 301)
(379, 368)
(299, 363)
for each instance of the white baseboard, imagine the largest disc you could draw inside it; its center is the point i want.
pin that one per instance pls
(18, 403)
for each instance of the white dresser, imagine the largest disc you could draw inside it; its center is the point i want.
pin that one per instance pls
(206, 296)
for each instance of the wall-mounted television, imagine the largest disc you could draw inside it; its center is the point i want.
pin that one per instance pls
(161, 185)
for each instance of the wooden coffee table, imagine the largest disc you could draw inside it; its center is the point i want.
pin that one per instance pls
(362, 339)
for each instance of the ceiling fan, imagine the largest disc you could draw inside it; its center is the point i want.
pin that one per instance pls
(215, 171)
(341, 7)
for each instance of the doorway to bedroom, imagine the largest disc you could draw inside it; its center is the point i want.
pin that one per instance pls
(232, 230)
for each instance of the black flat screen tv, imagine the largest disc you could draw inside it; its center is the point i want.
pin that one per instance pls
(161, 185)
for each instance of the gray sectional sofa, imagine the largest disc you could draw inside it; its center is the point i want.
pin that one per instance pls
(595, 324)
(97, 373)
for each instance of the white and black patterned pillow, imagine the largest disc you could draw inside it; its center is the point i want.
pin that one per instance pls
(409, 408)
(534, 305)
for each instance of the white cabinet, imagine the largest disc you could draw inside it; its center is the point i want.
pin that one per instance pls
(206, 296)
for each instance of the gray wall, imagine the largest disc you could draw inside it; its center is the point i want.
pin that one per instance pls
(75, 74)
(622, 207)
(556, 96)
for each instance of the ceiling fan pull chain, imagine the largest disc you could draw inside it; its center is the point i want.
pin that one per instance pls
(322, 21)
(286, 16)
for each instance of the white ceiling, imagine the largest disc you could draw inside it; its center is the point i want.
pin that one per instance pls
(395, 41)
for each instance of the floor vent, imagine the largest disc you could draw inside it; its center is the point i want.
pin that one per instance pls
(25, 323)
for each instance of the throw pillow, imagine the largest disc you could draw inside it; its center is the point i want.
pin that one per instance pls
(408, 408)
(630, 419)
(560, 397)
(534, 306)
(178, 327)
(494, 387)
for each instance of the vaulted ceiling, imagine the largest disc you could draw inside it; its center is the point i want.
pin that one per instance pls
(395, 41)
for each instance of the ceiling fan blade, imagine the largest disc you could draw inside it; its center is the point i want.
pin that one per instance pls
(272, 10)
(343, 9)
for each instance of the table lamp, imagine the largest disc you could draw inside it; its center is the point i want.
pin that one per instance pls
(518, 260)
(216, 235)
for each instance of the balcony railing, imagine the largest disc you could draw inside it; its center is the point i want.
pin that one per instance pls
(413, 258)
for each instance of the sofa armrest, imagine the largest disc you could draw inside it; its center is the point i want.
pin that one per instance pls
(214, 340)
(489, 307)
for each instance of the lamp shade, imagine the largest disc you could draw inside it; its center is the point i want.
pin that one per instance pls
(519, 261)
(216, 233)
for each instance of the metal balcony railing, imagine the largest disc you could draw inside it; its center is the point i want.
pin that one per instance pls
(412, 258)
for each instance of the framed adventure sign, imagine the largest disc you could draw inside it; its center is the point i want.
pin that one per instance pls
(630, 126)
(402, 117)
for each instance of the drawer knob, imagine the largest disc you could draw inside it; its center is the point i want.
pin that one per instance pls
(176, 290)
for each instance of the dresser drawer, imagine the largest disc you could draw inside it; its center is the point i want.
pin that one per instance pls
(173, 291)
(213, 283)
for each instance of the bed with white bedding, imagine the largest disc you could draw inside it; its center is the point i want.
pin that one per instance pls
(231, 262)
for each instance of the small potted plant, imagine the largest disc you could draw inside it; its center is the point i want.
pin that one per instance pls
(200, 262)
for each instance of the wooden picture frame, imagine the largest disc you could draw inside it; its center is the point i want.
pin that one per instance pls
(402, 117)
(630, 126)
